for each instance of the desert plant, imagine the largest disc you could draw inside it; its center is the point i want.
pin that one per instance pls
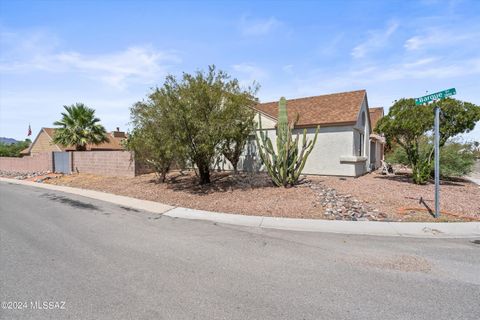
(406, 124)
(456, 158)
(151, 140)
(79, 127)
(239, 124)
(284, 163)
(198, 111)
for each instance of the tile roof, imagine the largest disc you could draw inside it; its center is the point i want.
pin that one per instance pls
(375, 115)
(329, 109)
(114, 143)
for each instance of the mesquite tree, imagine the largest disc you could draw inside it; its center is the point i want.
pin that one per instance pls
(151, 140)
(406, 124)
(284, 163)
(239, 124)
(201, 113)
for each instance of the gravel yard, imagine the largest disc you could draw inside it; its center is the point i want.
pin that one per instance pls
(370, 197)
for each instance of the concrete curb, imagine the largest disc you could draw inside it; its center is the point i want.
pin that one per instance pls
(151, 206)
(399, 229)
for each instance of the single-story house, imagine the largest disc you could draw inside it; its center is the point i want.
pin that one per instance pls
(346, 145)
(44, 143)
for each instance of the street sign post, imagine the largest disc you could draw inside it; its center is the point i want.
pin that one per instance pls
(424, 100)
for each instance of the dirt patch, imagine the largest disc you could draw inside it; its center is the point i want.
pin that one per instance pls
(402, 200)
(243, 194)
(370, 197)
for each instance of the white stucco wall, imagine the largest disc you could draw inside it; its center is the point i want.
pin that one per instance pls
(333, 154)
(332, 144)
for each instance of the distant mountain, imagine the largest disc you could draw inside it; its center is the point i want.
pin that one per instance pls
(8, 140)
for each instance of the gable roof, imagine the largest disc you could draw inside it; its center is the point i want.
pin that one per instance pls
(115, 142)
(330, 109)
(375, 115)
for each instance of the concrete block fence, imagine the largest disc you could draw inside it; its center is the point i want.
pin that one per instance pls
(36, 162)
(110, 163)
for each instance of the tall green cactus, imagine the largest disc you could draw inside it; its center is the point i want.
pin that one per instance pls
(284, 163)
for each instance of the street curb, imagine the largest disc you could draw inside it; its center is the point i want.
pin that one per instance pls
(397, 229)
(374, 228)
(151, 206)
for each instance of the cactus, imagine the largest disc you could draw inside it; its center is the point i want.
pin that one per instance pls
(284, 163)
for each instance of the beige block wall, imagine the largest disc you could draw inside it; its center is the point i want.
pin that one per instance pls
(109, 163)
(36, 162)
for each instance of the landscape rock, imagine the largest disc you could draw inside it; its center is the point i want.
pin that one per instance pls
(339, 206)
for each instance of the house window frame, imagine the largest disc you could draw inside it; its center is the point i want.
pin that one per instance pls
(361, 142)
(358, 142)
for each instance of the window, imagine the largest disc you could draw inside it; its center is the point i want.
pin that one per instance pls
(360, 145)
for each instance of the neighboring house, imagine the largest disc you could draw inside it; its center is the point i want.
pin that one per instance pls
(377, 141)
(44, 143)
(345, 138)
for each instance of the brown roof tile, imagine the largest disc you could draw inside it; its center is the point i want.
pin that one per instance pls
(375, 115)
(329, 109)
(114, 142)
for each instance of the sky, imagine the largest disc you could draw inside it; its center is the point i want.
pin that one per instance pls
(110, 54)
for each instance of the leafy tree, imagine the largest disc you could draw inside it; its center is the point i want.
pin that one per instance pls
(13, 149)
(150, 139)
(406, 125)
(199, 111)
(239, 124)
(79, 127)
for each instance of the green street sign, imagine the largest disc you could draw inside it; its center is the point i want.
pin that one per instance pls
(436, 96)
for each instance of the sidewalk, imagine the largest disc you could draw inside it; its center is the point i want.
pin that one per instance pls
(402, 229)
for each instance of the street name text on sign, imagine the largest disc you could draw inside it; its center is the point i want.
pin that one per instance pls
(435, 96)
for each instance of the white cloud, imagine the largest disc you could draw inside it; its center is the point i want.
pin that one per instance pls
(258, 27)
(376, 40)
(249, 73)
(136, 64)
(435, 37)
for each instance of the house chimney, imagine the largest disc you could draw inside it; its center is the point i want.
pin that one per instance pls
(118, 133)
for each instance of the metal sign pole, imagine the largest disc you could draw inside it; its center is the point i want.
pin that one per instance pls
(437, 161)
(424, 100)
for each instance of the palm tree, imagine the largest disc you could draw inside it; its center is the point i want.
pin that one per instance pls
(79, 127)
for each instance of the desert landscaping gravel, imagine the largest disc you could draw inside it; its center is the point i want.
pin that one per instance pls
(370, 197)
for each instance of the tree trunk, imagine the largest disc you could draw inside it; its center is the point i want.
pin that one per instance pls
(80, 147)
(235, 170)
(204, 172)
(163, 176)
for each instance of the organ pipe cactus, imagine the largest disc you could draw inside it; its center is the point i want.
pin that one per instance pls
(284, 163)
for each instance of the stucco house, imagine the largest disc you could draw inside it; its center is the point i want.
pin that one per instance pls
(346, 145)
(44, 143)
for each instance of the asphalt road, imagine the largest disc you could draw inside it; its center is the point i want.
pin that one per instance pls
(110, 262)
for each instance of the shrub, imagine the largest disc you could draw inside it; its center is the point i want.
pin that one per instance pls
(456, 158)
(13, 149)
